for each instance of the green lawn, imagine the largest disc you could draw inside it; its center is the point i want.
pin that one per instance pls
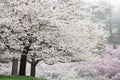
(19, 78)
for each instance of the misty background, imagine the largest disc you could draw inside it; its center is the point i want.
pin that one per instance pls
(77, 39)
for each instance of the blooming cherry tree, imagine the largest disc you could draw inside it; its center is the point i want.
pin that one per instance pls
(53, 30)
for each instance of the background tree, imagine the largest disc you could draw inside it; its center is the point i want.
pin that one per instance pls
(109, 65)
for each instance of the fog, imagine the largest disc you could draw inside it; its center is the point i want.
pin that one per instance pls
(114, 3)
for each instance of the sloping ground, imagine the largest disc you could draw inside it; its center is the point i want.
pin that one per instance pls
(18, 78)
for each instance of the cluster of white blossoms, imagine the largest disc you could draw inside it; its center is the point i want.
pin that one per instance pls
(66, 27)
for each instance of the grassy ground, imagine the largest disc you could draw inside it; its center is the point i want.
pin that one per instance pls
(19, 78)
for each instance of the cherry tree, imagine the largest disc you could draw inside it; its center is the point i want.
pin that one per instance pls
(20, 28)
(25, 26)
(108, 65)
(44, 30)
(79, 32)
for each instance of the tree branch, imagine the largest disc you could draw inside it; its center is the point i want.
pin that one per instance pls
(37, 61)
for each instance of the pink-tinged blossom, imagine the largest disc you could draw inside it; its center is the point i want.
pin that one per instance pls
(109, 64)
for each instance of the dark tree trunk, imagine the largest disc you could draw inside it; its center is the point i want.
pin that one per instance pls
(33, 69)
(33, 66)
(24, 60)
(23, 64)
(14, 66)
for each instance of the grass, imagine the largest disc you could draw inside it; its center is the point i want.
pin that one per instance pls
(2, 77)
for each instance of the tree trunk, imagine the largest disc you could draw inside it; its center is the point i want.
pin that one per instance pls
(33, 69)
(23, 64)
(33, 66)
(14, 66)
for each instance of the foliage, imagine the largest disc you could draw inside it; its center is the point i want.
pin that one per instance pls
(108, 65)
(54, 31)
